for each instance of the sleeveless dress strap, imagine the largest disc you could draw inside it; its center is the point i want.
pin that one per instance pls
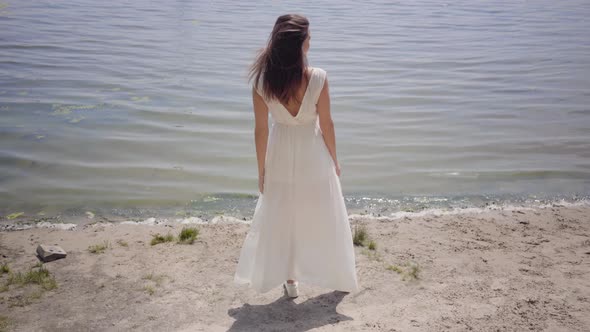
(318, 78)
(258, 86)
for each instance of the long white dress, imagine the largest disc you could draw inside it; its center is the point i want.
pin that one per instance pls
(300, 228)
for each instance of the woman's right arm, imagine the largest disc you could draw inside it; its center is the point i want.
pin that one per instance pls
(326, 123)
(260, 134)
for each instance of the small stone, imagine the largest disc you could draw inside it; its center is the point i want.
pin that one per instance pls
(48, 253)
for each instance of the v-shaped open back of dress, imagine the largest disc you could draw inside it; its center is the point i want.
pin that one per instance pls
(300, 228)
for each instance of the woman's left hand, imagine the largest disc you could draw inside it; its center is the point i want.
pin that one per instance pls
(338, 171)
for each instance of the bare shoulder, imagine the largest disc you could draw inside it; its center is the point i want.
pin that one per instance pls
(321, 77)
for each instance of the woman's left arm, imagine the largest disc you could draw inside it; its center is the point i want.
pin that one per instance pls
(260, 134)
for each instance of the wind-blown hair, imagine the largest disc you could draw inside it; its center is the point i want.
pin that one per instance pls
(282, 63)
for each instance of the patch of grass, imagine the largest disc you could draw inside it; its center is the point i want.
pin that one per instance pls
(360, 235)
(149, 289)
(158, 238)
(372, 245)
(35, 295)
(4, 323)
(413, 272)
(395, 268)
(123, 243)
(188, 235)
(361, 238)
(372, 255)
(99, 248)
(410, 271)
(156, 281)
(20, 301)
(157, 278)
(38, 275)
(4, 268)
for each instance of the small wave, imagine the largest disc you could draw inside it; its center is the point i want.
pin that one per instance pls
(512, 175)
(220, 219)
(466, 210)
(44, 224)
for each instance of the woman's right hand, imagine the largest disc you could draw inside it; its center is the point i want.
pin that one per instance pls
(337, 167)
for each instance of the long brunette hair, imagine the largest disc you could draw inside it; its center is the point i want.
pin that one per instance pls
(282, 60)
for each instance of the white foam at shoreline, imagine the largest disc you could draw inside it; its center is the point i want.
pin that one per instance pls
(223, 219)
(147, 222)
(470, 210)
(43, 224)
(220, 219)
(228, 219)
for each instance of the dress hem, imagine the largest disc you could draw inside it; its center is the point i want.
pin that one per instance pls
(300, 280)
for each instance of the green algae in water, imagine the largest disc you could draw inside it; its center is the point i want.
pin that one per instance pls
(140, 99)
(76, 119)
(210, 199)
(69, 112)
(182, 214)
(14, 215)
(60, 109)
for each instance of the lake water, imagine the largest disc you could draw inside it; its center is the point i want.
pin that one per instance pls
(134, 106)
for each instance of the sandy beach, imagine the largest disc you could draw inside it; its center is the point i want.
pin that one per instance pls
(504, 269)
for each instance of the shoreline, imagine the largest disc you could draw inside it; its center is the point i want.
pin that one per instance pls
(517, 269)
(83, 217)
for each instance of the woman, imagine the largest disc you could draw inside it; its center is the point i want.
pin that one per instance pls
(300, 229)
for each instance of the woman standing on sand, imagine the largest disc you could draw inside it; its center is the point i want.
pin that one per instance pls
(300, 229)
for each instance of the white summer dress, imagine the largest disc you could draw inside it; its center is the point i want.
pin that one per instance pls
(300, 228)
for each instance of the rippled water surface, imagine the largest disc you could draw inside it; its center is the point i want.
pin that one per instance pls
(146, 103)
